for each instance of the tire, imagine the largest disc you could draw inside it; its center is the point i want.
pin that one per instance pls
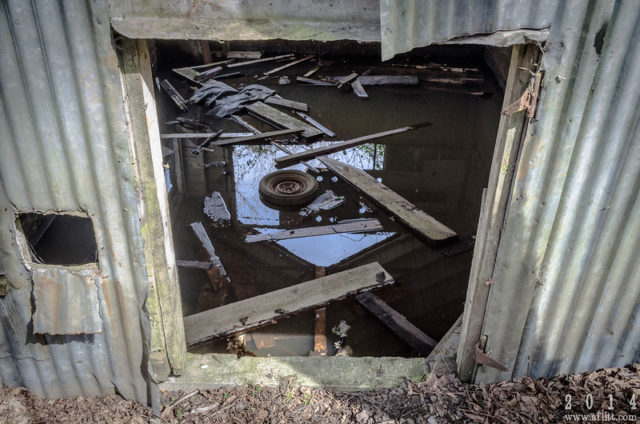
(288, 188)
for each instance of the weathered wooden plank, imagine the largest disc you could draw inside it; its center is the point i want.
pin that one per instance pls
(264, 309)
(343, 81)
(280, 119)
(266, 59)
(316, 124)
(244, 55)
(209, 73)
(312, 70)
(240, 121)
(289, 104)
(217, 275)
(336, 147)
(358, 89)
(205, 266)
(314, 82)
(174, 95)
(257, 137)
(398, 323)
(348, 227)
(287, 151)
(383, 79)
(287, 65)
(405, 211)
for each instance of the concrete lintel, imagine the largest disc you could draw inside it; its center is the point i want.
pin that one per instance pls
(210, 371)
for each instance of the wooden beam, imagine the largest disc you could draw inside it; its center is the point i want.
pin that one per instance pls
(257, 137)
(316, 124)
(280, 119)
(287, 151)
(217, 274)
(288, 65)
(382, 79)
(397, 322)
(405, 211)
(266, 59)
(358, 89)
(336, 147)
(359, 226)
(264, 309)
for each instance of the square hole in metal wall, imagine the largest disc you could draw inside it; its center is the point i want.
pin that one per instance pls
(59, 239)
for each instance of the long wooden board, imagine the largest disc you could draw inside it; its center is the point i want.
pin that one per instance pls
(397, 205)
(256, 137)
(288, 160)
(264, 309)
(359, 226)
(280, 119)
(398, 323)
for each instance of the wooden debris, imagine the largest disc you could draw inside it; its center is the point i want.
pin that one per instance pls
(405, 211)
(288, 65)
(177, 136)
(250, 137)
(208, 140)
(238, 120)
(312, 70)
(264, 309)
(316, 124)
(306, 164)
(397, 322)
(209, 65)
(358, 89)
(215, 163)
(209, 73)
(280, 119)
(320, 327)
(190, 72)
(236, 134)
(244, 55)
(216, 209)
(314, 82)
(345, 81)
(217, 274)
(174, 95)
(336, 147)
(266, 59)
(229, 75)
(205, 266)
(257, 137)
(383, 79)
(358, 226)
(289, 104)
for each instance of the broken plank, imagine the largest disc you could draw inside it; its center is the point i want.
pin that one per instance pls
(217, 275)
(398, 323)
(287, 65)
(208, 65)
(316, 124)
(347, 80)
(405, 211)
(280, 119)
(215, 208)
(289, 104)
(281, 147)
(238, 120)
(312, 70)
(359, 226)
(314, 82)
(205, 266)
(359, 89)
(209, 73)
(336, 147)
(383, 79)
(174, 95)
(264, 309)
(266, 59)
(257, 137)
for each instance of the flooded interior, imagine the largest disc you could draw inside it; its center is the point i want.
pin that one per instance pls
(441, 169)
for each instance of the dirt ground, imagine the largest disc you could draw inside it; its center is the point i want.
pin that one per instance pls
(607, 395)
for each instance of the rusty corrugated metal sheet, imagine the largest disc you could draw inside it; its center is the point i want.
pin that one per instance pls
(565, 293)
(64, 146)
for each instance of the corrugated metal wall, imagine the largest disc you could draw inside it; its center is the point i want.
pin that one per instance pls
(64, 146)
(565, 293)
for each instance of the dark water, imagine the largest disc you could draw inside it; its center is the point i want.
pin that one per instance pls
(441, 169)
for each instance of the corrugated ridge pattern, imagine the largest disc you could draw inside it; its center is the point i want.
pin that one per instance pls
(65, 148)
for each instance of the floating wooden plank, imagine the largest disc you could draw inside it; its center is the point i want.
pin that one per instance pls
(250, 137)
(316, 124)
(358, 89)
(229, 75)
(257, 137)
(359, 226)
(405, 211)
(174, 95)
(397, 322)
(314, 82)
(383, 79)
(209, 73)
(244, 55)
(217, 274)
(287, 65)
(266, 59)
(205, 266)
(264, 309)
(336, 147)
(215, 208)
(306, 164)
(342, 82)
(289, 104)
(280, 119)
(312, 70)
